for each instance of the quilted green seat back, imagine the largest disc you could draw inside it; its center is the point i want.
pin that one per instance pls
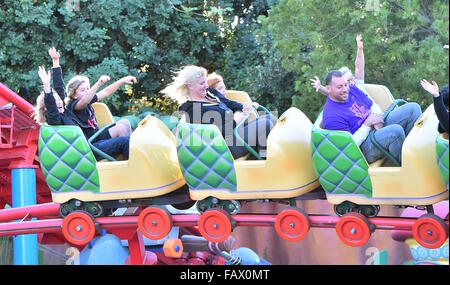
(338, 162)
(66, 159)
(204, 157)
(442, 156)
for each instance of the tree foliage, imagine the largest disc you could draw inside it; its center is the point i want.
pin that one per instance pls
(403, 43)
(148, 39)
(269, 48)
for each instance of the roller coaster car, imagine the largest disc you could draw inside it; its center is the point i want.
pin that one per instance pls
(442, 155)
(77, 181)
(216, 180)
(352, 184)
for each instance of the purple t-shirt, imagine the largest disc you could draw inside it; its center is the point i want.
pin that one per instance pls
(347, 116)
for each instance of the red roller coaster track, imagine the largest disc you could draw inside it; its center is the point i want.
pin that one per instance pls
(18, 147)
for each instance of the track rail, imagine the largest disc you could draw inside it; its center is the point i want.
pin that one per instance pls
(46, 220)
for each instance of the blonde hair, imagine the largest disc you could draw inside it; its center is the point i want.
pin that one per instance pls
(345, 69)
(73, 85)
(178, 90)
(40, 111)
(213, 79)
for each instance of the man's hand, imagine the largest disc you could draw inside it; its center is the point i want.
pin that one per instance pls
(433, 89)
(128, 79)
(359, 42)
(374, 120)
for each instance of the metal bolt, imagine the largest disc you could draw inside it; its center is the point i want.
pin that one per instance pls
(215, 226)
(353, 231)
(154, 223)
(292, 225)
(430, 232)
(77, 203)
(214, 200)
(79, 228)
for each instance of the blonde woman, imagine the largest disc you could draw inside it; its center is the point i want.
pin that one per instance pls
(204, 105)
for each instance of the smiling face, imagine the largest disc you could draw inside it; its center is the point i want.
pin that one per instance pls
(59, 102)
(197, 90)
(338, 89)
(81, 91)
(220, 86)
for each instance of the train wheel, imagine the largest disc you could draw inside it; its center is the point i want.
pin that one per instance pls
(215, 225)
(155, 222)
(292, 224)
(430, 231)
(78, 228)
(353, 229)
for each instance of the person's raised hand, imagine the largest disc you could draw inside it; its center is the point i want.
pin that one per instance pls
(129, 79)
(45, 76)
(315, 83)
(433, 89)
(54, 54)
(359, 42)
(103, 79)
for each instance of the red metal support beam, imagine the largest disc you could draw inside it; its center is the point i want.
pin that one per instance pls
(37, 211)
(138, 254)
(9, 96)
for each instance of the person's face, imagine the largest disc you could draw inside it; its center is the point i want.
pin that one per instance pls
(348, 76)
(338, 89)
(220, 86)
(198, 89)
(59, 102)
(81, 90)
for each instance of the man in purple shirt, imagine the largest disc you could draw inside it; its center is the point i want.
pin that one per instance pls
(349, 109)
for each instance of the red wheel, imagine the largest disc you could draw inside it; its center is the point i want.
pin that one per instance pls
(215, 225)
(353, 229)
(430, 231)
(78, 228)
(292, 224)
(155, 222)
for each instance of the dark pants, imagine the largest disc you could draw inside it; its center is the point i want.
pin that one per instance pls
(254, 134)
(114, 146)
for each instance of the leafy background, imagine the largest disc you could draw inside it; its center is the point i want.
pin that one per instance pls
(268, 48)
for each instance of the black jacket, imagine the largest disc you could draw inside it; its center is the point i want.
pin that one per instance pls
(53, 116)
(441, 113)
(85, 118)
(219, 114)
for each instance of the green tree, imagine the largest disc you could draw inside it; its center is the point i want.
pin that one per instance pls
(147, 39)
(250, 61)
(403, 43)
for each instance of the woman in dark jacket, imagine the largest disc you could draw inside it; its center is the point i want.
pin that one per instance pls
(207, 106)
